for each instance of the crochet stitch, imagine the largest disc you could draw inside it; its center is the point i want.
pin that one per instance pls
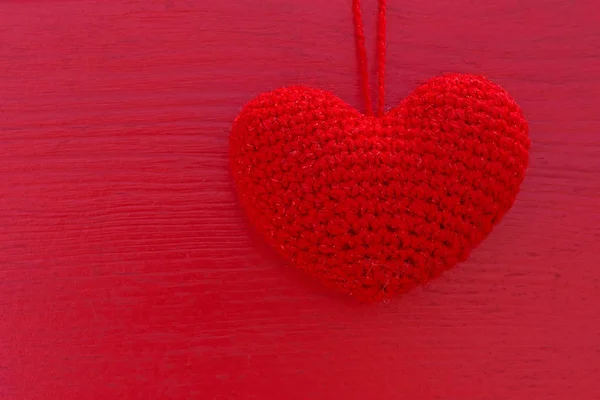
(374, 205)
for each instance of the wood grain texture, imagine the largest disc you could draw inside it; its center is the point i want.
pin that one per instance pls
(127, 270)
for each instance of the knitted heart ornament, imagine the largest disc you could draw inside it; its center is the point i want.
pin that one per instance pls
(374, 205)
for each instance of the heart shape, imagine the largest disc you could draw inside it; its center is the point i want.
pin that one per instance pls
(373, 206)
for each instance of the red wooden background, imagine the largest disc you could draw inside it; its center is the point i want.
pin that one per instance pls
(127, 270)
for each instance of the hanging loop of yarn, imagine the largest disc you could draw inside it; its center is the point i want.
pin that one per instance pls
(372, 205)
(361, 52)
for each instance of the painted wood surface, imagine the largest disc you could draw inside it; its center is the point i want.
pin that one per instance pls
(127, 270)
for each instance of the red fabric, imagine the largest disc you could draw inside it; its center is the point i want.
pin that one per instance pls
(373, 206)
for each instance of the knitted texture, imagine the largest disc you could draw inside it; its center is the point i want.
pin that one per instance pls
(373, 206)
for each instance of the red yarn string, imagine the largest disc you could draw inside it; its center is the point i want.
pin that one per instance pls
(381, 57)
(361, 53)
(362, 56)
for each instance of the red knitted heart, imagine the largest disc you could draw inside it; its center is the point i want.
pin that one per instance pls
(374, 206)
